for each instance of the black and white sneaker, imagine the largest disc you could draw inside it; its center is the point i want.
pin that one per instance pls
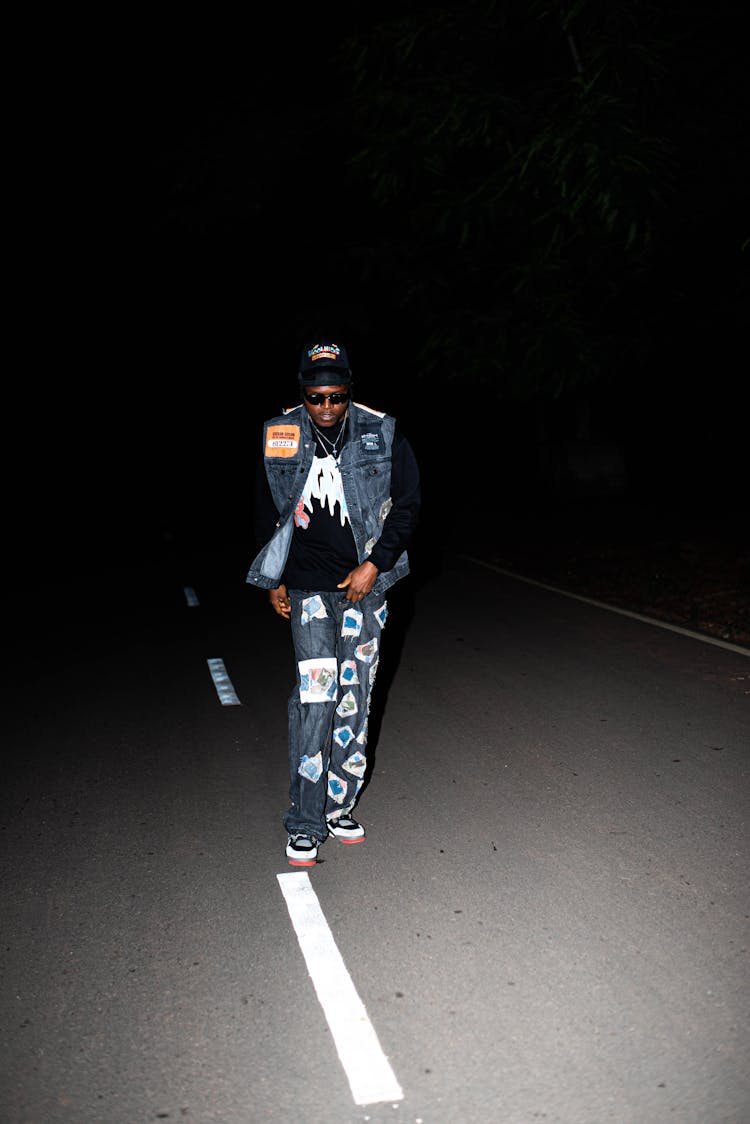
(346, 829)
(302, 850)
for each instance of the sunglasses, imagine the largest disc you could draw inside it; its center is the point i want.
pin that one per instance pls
(335, 399)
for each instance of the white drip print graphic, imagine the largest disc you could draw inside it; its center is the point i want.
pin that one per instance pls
(324, 485)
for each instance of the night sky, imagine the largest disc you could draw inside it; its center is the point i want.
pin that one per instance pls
(195, 218)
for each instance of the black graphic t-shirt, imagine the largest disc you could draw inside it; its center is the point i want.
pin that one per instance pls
(322, 551)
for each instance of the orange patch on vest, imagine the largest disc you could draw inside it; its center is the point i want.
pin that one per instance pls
(282, 440)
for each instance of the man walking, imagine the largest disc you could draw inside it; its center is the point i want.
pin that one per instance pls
(337, 501)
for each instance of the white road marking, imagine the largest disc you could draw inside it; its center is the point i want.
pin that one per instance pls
(190, 596)
(223, 684)
(367, 1069)
(612, 608)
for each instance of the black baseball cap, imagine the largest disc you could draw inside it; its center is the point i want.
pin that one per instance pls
(324, 363)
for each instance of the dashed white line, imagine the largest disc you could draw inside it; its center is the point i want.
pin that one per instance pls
(222, 682)
(190, 596)
(368, 1071)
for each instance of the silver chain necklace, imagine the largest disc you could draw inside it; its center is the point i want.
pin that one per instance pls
(332, 447)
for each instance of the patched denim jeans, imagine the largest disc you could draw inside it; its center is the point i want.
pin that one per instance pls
(337, 647)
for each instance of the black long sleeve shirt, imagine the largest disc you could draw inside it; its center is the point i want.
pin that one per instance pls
(323, 552)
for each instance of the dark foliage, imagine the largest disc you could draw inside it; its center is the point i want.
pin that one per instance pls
(534, 174)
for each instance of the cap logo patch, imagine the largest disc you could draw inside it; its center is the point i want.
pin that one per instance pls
(329, 352)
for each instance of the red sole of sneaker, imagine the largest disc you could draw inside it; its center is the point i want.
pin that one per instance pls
(350, 841)
(301, 862)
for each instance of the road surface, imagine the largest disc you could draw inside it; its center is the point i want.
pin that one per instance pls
(547, 921)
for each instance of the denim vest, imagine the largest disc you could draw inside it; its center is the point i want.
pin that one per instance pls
(365, 465)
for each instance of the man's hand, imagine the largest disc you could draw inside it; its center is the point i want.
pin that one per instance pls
(279, 599)
(359, 582)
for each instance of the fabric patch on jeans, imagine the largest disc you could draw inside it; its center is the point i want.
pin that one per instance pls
(311, 767)
(367, 652)
(352, 623)
(356, 764)
(317, 680)
(373, 670)
(348, 673)
(337, 788)
(362, 735)
(342, 735)
(313, 607)
(381, 614)
(348, 705)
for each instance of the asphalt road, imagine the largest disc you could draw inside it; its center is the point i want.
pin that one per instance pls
(547, 921)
